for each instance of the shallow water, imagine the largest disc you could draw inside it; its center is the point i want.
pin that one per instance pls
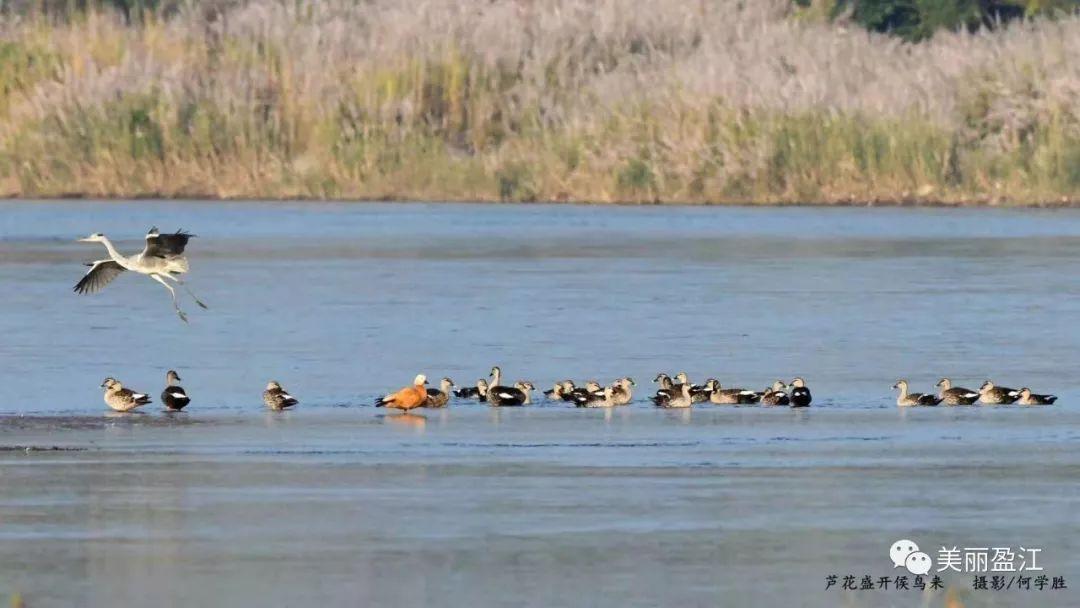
(547, 505)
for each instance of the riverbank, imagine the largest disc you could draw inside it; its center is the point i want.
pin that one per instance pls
(579, 102)
(899, 201)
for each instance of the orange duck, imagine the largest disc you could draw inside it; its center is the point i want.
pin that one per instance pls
(407, 398)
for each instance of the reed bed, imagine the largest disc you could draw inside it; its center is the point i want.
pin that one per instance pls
(709, 101)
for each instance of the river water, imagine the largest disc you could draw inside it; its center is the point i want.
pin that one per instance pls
(343, 503)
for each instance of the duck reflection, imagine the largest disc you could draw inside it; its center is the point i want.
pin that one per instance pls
(416, 422)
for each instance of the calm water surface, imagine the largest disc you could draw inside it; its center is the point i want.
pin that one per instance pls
(341, 503)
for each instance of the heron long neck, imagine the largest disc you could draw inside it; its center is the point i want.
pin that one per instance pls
(113, 253)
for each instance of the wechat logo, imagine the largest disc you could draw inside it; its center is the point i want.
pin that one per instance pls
(906, 554)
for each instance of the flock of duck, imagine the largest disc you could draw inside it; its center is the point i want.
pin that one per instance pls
(677, 392)
(988, 394)
(672, 393)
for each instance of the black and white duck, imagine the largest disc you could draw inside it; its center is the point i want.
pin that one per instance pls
(698, 392)
(666, 390)
(997, 395)
(907, 399)
(955, 395)
(478, 392)
(591, 390)
(800, 395)
(1029, 398)
(601, 398)
(715, 393)
(174, 396)
(681, 399)
(505, 396)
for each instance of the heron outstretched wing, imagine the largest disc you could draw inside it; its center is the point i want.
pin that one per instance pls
(165, 245)
(101, 273)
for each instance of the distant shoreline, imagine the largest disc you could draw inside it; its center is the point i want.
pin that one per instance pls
(981, 203)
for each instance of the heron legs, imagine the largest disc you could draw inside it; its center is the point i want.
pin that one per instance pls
(172, 292)
(181, 283)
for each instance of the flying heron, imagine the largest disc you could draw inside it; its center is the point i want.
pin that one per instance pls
(161, 259)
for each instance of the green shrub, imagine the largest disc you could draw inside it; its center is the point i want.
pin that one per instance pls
(917, 20)
(636, 179)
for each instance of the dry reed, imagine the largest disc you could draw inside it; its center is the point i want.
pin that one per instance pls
(597, 100)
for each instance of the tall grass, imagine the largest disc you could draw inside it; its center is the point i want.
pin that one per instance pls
(595, 100)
